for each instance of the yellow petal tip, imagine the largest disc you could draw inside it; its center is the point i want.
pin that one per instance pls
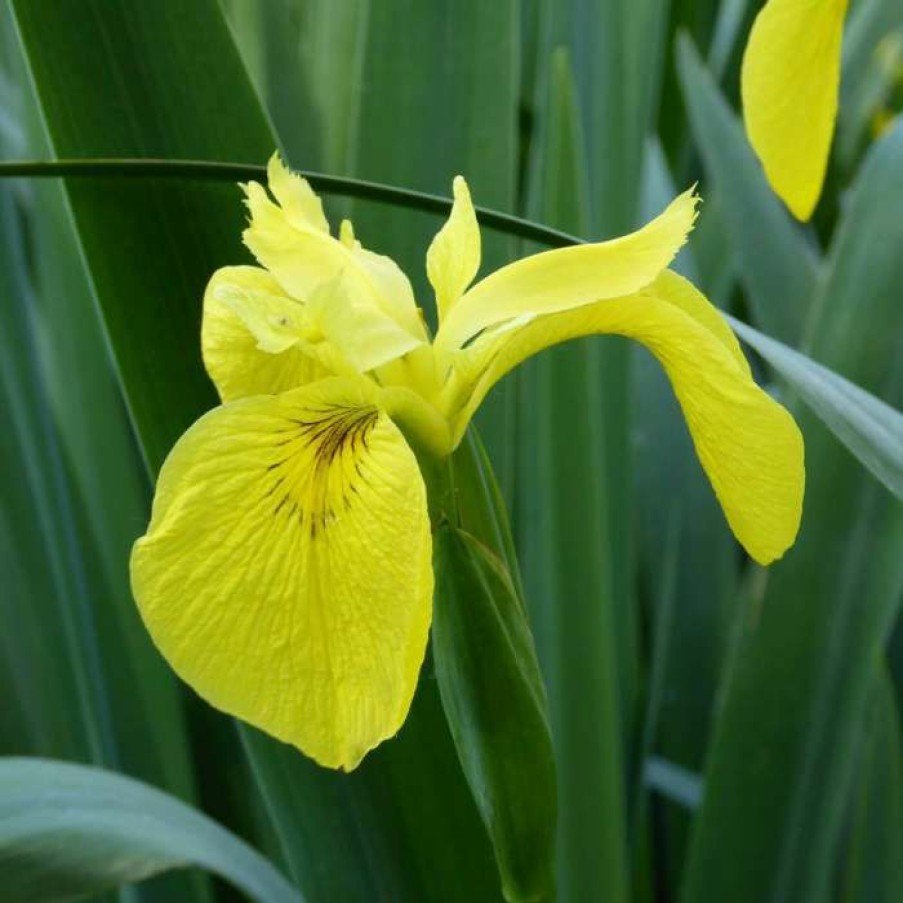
(789, 83)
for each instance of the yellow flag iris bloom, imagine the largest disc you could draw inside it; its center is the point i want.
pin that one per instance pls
(789, 84)
(286, 572)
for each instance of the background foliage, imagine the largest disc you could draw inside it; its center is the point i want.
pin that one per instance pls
(720, 732)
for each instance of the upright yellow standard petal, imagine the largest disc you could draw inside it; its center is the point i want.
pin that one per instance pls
(570, 277)
(453, 257)
(292, 244)
(286, 573)
(789, 83)
(750, 446)
(253, 336)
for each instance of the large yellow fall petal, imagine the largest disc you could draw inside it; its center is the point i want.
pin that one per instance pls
(286, 572)
(570, 277)
(453, 257)
(253, 336)
(790, 81)
(749, 446)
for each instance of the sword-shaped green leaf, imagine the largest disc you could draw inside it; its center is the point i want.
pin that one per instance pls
(804, 666)
(491, 690)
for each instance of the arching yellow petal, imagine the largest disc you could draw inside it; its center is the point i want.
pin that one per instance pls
(252, 336)
(453, 257)
(749, 446)
(286, 572)
(302, 257)
(570, 277)
(676, 290)
(789, 83)
(497, 351)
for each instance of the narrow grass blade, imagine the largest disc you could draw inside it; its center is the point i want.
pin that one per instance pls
(873, 57)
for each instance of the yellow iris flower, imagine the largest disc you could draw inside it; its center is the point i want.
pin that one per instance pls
(789, 84)
(286, 572)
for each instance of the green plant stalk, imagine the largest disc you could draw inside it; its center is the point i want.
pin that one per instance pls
(203, 170)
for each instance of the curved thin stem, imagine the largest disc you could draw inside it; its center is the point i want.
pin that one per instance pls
(230, 172)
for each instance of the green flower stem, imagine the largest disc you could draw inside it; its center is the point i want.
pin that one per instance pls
(439, 477)
(149, 168)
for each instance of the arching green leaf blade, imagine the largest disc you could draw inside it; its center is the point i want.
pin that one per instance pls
(68, 831)
(870, 428)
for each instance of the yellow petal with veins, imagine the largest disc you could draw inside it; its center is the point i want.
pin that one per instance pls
(789, 84)
(570, 277)
(286, 572)
(749, 446)
(453, 257)
(252, 336)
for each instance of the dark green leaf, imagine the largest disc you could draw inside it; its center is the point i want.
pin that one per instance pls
(873, 864)
(127, 98)
(688, 563)
(489, 680)
(571, 519)
(480, 507)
